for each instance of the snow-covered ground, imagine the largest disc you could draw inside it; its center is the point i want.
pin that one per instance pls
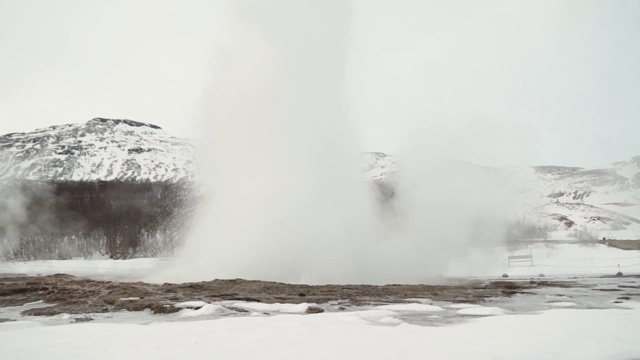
(550, 259)
(598, 321)
(371, 334)
(132, 269)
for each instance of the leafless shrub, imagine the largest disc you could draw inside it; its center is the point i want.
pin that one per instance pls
(520, 233)
(585, 237)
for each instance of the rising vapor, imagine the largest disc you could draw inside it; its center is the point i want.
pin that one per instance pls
(287, 201)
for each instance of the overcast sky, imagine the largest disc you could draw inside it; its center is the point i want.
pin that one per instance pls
(492, 82)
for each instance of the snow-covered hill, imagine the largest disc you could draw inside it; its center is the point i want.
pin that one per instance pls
(377, 166)
(100, 149)
(604, 201)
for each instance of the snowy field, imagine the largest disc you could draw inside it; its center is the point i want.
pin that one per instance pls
(549, 259)
(133, 269)
(371, 334)
(598, 321)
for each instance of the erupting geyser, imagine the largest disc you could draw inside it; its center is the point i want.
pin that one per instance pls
(287, 201)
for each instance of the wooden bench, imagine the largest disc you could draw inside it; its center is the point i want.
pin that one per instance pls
(520, 258)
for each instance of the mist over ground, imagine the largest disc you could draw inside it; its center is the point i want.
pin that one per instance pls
(287, 201)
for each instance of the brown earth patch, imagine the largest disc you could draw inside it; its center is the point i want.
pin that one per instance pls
(622, 244)
(69, 294)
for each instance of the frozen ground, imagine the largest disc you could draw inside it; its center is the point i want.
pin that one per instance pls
(598, 318)
(563, 327)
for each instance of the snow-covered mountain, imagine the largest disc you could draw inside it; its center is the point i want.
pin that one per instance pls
(377, 166)
(603, 201)
(100, 149)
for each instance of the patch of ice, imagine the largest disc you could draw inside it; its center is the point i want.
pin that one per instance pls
(277, 307)
(133, 298)
(411, 307)
(372, 315)
(481, 311)
(207, 309)
(390, 321)
(34, 303)
(561, 303)
(462, 306)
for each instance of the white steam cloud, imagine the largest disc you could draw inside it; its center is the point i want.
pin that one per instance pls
(13, 216)
(287, 200)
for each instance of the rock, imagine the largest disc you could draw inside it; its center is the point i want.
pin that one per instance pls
(505, 275)
(237, 309)
(314, 310)
(619, 274)
(140, 305)
(163, 309)
(83, 319)
(65, 307)
(541, 275)
(125, 292)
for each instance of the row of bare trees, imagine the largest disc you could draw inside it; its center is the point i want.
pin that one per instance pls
(58, 220)
(521, 232)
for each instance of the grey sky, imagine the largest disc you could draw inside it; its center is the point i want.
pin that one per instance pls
(492, 82)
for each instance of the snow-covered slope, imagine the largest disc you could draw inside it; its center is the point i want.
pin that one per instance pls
(378, 166)
(604, 201)
(100, 149)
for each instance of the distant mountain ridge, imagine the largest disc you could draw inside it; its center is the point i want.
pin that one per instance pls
(604, 201)
(100, 149)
